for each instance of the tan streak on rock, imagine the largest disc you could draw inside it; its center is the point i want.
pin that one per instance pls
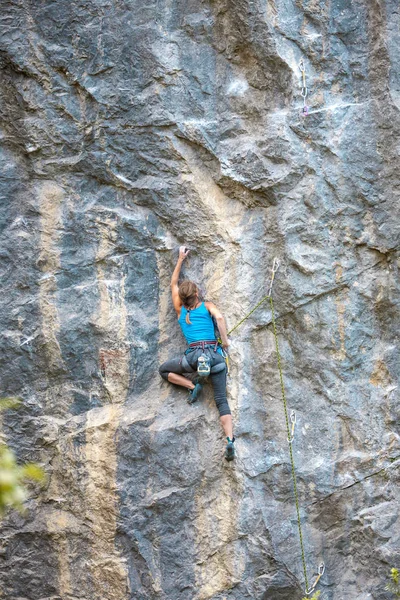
(222, 209)
(340, 354)
(165, 303)
(107, 567)
(218, 566)
(112, 314)
(50, 198)
(112, 318)
(340, 302)
(215, 272)
(60, 524)
(380, 375)
(339, 273)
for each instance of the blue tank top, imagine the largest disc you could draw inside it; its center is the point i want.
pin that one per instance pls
(202, 327)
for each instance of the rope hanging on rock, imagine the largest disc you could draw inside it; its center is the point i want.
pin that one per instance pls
(275, 267)
(290, 437)
(288, 430)
(290, 427)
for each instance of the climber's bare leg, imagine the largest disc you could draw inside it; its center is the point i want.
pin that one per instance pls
(180, 380)
(226, 422)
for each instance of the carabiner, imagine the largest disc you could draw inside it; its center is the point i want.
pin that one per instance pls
(321, 571)
(275, 267)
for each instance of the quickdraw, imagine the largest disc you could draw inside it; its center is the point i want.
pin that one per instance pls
(293, 421)
(275, 267)
(304, 90)
(321, 571)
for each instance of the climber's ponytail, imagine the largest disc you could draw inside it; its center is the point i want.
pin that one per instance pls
(188, 293)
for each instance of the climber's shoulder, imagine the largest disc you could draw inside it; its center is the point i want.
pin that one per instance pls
(212, 309)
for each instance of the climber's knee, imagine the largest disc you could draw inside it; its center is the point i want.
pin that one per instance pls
(163, 372)
(223, 408)
(173, 365)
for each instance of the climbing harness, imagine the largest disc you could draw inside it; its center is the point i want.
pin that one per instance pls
(202, 344)
(304, 90)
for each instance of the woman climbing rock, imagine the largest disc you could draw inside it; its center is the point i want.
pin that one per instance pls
(195, 319)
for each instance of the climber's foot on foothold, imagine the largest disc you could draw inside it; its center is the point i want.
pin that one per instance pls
(230, 449)
(195, 393)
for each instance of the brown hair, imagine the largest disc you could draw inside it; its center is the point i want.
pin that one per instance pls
(188, 293)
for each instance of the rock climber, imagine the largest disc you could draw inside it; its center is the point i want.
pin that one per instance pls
(195, 319)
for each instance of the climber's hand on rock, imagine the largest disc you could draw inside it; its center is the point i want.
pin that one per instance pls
(183, 252)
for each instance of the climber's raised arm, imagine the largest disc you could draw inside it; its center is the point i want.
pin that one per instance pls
(183, 252)
(213, 310)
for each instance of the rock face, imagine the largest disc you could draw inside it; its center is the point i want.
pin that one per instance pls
(129, 128)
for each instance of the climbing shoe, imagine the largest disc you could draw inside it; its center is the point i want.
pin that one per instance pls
(230, 449)
(195, 393)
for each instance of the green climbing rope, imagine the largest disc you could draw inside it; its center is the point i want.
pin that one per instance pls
(248, 314)
(290, 445)
(289, 430)
(275, 267)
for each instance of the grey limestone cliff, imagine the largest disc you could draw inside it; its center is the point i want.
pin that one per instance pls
(129, 127)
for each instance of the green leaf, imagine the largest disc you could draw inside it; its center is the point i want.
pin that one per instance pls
(394, 585)
(10, 402)
(315, 596)
(33, 471)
